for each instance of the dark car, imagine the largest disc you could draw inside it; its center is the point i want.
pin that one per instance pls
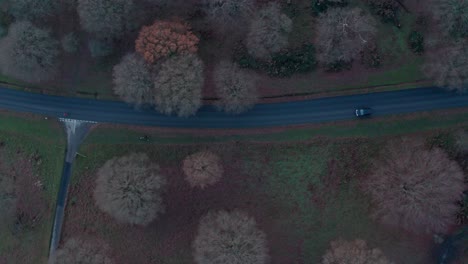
(66, 114)
(363, 111)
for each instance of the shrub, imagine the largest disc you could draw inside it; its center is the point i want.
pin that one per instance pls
(416, 42)
(32, 9)
(100, 47)
(202, 169)
(29, 53)
(129, 189)
(285, 64)
(269, 32)
(452, 15)
(414, 187)
(132, 80)
(178, 84)
(235, 87)
(449, 67)
(282, 64)
(355, 251)
(320, 6)
(225, 14)
(70, 43)
(388, 10)
(77, 251)
(230, 238)
(342, 33)
(107, 18)
(370, 56)
(165, 38)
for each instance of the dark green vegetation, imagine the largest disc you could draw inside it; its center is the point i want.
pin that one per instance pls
(35, 147)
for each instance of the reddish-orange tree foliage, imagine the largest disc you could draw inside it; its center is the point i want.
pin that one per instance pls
(164, 38)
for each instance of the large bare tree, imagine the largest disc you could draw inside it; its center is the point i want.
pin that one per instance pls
(448, 66)
(227, 14)
(353, 252)
(269, 32)
(178, 84)
(229, 238)
(107, 18)
(77, 251)
(129, 189)
(29, 53)
(132, 80)
(414, 187)
(342, 33)
(235, 87)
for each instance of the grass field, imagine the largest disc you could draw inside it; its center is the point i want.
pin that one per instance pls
(32, 136)
(301, 186)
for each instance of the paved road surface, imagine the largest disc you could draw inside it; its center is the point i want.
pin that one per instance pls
(263, 115)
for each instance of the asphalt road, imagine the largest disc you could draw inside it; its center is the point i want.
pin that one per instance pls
(263, 115)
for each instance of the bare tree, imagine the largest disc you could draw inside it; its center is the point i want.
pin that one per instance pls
(229, 238)
(132, 80)
(32, 9)
(225, 14)
(29, 53)
(202, 169)
(452, 15)
(235, 87)
(269, 32)
(449, 66)
(178, 84)
(356, 251)
(76, 251)
(129, 189)
(107, 18)
(342, 33)
(414, 187)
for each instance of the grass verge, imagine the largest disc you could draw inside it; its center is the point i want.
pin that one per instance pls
(32, 136)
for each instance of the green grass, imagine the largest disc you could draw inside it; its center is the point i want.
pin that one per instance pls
(362, 128)
(45, 138)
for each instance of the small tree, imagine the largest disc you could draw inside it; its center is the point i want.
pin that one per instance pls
(132, 80)
(29, 53)
(165, 38)
(76, 251)
(229, 238)
(129, 189)
(269, 32)
(32, 9)
(178, 84)
(342, 33)
(235, 87)
(356, 251)
(452, 15)
(107, 18)
(416, 42)
(414, 187)
(202, 169)
(449, 67)
(225, 14)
